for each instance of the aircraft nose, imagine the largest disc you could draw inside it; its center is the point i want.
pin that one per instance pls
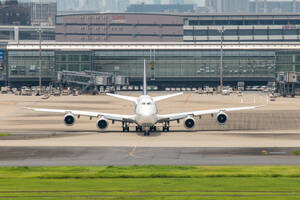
(147, 113)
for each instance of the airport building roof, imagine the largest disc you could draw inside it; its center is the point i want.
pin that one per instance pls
(86, 46)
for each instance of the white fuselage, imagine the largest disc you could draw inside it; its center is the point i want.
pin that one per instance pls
(145, 111)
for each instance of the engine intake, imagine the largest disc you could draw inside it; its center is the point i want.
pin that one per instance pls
(189, 122)
(222, 118)
(102, 123)
(69, 119)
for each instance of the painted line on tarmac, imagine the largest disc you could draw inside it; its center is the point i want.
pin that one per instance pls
(187, 98)
(18, 110)
(133, 150)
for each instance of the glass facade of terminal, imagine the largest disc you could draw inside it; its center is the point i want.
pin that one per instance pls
(169, 64)
(188, 65)
(25, 64)
(172, 63)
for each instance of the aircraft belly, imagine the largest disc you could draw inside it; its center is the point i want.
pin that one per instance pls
(146, 120)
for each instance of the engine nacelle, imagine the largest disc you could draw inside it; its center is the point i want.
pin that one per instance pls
(222, 118)
(102, 123)
(189, 122)
(69, 119)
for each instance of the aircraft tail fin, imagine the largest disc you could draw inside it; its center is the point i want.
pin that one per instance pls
(145, 79)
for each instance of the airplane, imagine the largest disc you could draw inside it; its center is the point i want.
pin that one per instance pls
(146, 115)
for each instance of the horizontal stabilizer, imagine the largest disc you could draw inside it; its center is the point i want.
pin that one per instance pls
(128, 98)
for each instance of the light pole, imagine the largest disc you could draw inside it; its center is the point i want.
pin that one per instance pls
(40, 61)
(40, 43)
(221, 60)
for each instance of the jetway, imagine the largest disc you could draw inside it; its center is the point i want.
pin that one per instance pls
(90, 79)
(287, 83)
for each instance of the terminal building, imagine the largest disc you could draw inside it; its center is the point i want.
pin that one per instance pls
(185, 49)
(176, 64)
(135, 27)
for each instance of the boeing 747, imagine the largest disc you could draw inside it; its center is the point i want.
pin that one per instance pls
(146, 116)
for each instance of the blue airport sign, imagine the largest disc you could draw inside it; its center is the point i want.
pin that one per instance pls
(1, 59)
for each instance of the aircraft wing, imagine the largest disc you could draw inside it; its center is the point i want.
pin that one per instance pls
(108, 116)
(128, 98)
(159, 98)
(178, 116)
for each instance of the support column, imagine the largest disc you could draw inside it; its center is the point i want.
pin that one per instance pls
(16, 34)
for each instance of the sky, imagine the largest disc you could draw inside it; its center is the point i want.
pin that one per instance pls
(197, 2)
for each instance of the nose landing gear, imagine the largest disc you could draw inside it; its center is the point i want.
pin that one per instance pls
(147, 133)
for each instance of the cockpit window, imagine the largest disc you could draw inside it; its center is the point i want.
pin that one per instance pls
(143, 103)
(148, 103)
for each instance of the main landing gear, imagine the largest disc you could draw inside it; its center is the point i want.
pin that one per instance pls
(138, 129)
(166, 127)
(125, 127)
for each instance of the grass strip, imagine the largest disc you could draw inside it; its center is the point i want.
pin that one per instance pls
(296, 152)
(5, 134)
(151, 182)
(148, 172)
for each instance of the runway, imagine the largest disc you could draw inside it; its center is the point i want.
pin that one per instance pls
(95, 156)
(266, 136)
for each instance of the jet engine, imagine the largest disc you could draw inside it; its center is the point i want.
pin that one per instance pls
(189, 122)
(102, 123)
(222, 118)
(69, 119)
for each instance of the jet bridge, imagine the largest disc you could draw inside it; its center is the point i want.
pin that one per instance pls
(286, 83)
(90, 80)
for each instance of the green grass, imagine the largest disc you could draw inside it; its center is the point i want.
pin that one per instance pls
(296, 152)
(151, 182)
(4, 134)
(149, 172)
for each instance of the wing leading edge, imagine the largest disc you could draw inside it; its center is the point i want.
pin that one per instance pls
(108, 116)
(178, 116)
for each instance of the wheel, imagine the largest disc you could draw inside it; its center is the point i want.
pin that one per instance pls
(127, 129)
(147, 133)
(153, 128)
(168, 129)
(138, 129)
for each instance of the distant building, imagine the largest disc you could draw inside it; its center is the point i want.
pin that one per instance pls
(119, 27)
(163, 8)
(271, 6)
(141, 27)
(44, 13)
(14, 14)
(18, 21)
(177, 1)
(122, 5)
(157, 2)
(79, 6)
(227, 6)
